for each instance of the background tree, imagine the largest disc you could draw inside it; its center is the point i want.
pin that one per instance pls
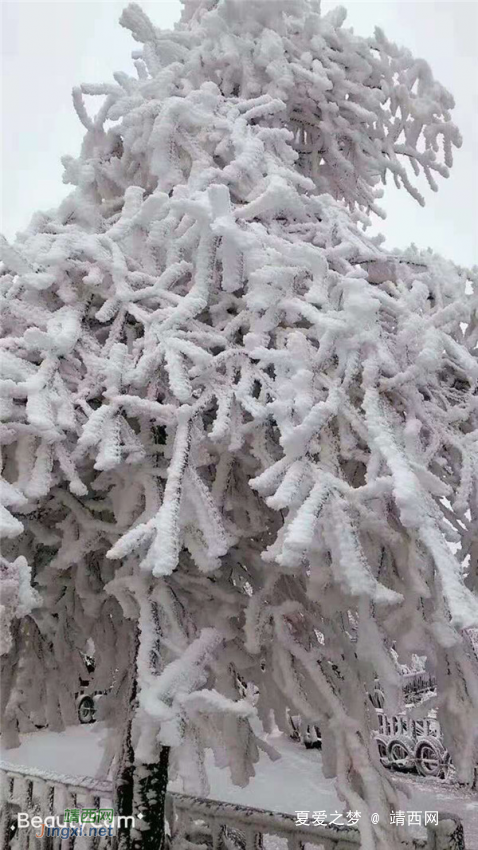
(238, 436)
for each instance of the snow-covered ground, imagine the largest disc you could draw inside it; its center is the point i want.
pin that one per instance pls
(293, 783)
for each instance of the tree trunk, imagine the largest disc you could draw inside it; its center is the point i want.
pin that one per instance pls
(140, 789)
(124, 781)
(151, 782)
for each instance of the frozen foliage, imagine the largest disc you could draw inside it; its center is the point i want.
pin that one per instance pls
(232, 418)
(18, 597)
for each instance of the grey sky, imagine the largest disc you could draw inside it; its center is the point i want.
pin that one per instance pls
(48, 47)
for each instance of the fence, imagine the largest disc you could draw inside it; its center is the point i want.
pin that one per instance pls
(193, 823)
(416, 684)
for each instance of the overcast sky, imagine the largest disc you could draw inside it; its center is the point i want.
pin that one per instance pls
(48, 47)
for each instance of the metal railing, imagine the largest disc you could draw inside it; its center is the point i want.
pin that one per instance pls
(192, 822)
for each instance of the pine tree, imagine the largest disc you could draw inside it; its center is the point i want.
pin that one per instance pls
(238, 436)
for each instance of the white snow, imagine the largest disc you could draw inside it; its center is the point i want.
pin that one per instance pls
(293, 783)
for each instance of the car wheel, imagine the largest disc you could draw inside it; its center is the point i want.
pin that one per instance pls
(400, 754)
(87, 710)
(382, 751)
(431, 758)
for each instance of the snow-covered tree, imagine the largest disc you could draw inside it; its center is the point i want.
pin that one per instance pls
(238, 436)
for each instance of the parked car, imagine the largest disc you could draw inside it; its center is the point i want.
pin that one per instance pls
(87, 699)
(407, 744)
(403, 743)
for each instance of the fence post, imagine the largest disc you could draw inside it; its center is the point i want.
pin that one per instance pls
(447, 834)
(6, 823)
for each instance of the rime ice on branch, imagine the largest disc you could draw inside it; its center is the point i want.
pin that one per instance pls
(231, 417)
